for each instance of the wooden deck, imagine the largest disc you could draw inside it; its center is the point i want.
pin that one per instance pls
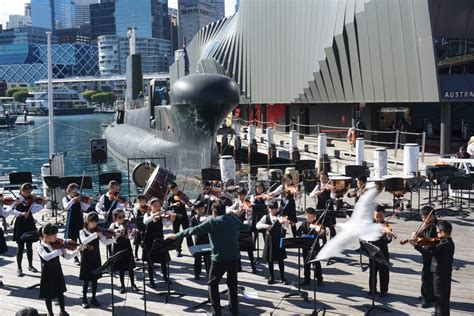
(343, 293)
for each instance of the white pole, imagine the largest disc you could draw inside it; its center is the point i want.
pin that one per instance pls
(360, 151)
(411, 153)
(50, 99)
(322, 142)
(269, 137)
(380, 162)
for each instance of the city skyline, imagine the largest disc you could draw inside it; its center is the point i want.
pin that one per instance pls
(18, 7)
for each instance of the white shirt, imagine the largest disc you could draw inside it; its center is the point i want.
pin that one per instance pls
(99, 207)
(316, 189)
(235, 208)
(54, 253)
(67, 204)
(92, 236)
(262, 224)
(148, 218)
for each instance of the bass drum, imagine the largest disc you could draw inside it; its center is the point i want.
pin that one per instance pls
(142, 172)
(157, 184)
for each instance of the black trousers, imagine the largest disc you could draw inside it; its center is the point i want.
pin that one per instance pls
(198, 259)
(19, 253)
(307, 268)
(151, 275)
(217, 271)
(442, 293)
(251, 259)
(184, 222)
(427, 292)
(384, 275)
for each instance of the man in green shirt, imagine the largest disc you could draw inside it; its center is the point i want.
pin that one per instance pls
(223, 233)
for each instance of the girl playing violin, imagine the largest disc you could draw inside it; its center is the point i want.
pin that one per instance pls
(155, 221)
(178, 206)
(90, 259)
(288, 204)
(275, 227)
(324, 191)
(109, 202)
(361, 181)
(140, 209)
(23, 209)
(258, 200)
(74, 207)
(126, 263)
(203, 239)
(52, 284)
(311, 226)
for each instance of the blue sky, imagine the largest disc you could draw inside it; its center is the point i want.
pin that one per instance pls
(8, 7)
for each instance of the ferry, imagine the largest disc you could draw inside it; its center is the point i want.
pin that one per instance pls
(66, 102)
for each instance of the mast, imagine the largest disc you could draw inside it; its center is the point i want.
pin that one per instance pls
(50, 99)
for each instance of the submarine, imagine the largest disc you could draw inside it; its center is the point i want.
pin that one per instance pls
(183, 131)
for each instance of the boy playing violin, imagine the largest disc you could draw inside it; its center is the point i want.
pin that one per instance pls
(109, 202)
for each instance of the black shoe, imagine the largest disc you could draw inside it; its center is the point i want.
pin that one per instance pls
(152, 285)
(1, 284)
(420, 298)
(305, 282)
(197, 277)
(84, 304)
(122, 290)
(369, 293)
(254, 268)
(32, 269)
(383, 294)
(426, 304)
(135, 288)
(179, 254)
(271, 281)
(284, 281)
(19, 273)
(136, 258)
(320, 283)
(95, 302)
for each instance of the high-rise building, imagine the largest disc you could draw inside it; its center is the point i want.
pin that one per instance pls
(28, 9)
(113, 52)
(16, 20)
(16, 44)
(219, 9)
(193, 15)
(83, 15)
(102, 19)
(173, 14)
(150, 17)
(53, 14)
(75, 35)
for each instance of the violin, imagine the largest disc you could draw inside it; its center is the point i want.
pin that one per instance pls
(107, 233)
(389, 231)
(33, 199)
(261, 197)
(118, 198)
(423, 241)
(181, 197)
(69, 245)
(420, 231)
(8, 200)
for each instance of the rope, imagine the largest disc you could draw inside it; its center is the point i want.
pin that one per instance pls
(26, 133)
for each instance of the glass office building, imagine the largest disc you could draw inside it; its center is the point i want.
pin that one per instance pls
(53, 14)
(102, 19)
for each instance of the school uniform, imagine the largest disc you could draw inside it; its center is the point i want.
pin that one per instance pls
(183, 220)
(427, 292)
(203, 239)
(90, 259)
(52, 284)
(106, 205)
(137, 241)
(126, 263)
(442, 268)
(322, 204)
(305, 229)
(380, 269)
(154, 231)
(260, 204)
(75, 217)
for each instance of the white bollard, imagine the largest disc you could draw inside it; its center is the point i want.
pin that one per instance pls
(251, 133)
(322, 145)
(360, 151)
(293, 139)
(411, 152)
(269, 137)
(227, 167)
(380, 162)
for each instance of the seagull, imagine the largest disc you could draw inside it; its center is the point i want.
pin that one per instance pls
(360, 226)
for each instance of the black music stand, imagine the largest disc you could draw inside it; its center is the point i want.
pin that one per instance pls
(298, 242)
(108, 266)
(374, 253)
(393, 185)
(462, 183)
(258, 211)
(161, 247)
(312, 260)
(414, 185)
(210, 174)
(53, 182)
(301, 166)
(16, 179)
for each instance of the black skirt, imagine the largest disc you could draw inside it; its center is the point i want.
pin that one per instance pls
(272, 250)
(23, 225)
(127, 262)
(90, 260)
(52, 282)
(74, 221)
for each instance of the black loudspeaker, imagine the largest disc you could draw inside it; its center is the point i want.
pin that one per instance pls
(394, 184)
(106, 177)
(301, 165)
(355, 171)
(310, 179)
(18, 178)
(210, 174)
(98, 151)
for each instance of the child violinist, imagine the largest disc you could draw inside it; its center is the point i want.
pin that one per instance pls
(382, 243)
(361, 182)
(52, 284)
(23, 209)
(109, 202)
(324, 191)
(90, 259)
(311, 227)
(140, 209)
(177, 204)
(126, 263)
(289, 190)
(258, 201)
(74, 207)
(203, 239)
(275, 227)
(155, 221)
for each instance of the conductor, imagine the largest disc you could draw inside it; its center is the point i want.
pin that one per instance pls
(223, 233)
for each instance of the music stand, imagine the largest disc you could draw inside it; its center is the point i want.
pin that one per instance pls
(53, 182)
(374, 253)
(414, 185)
(299, 243)
(462, 183)
(210, 174)
(161, 247)
(16, 179)
(258, 211)
(108, 266)
(312, 260)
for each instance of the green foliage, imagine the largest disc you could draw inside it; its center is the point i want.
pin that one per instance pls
(20, 96)
(88, 94)
(11, 91)
(103, 97)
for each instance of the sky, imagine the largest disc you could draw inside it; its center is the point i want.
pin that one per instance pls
(8, 7)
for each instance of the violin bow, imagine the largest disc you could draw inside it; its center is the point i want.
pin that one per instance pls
(82, 181)
(418, 231)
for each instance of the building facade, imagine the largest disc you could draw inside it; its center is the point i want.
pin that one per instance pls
(53, 14)
(18, 21)
(193, 16)
(219, 9)
(113, 51)
(173, 15)
(102, 17)
(83, 13)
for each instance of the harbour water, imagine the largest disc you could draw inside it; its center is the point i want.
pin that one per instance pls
(25, 148)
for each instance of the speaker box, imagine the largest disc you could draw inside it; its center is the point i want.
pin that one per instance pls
(210, 174)
(98, 151)
(18, 178)
(106, 177)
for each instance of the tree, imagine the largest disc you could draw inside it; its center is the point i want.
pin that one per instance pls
(103, 97)
(11, 91)
(20, 96)
(88, 94)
